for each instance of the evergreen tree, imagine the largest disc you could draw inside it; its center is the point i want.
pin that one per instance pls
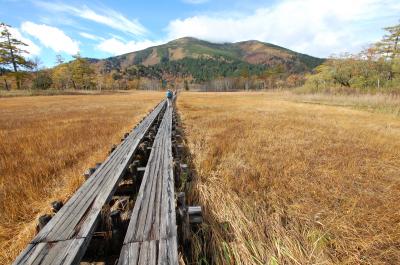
(389, 45)
(11, 53)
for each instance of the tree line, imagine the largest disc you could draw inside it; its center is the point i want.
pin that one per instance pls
(17, 71)
(375, 69)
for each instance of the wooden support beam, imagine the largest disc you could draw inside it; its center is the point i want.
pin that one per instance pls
(89, 172)
(195, 214)
(56, 206)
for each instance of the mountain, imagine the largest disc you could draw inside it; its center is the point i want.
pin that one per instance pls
(203, 60)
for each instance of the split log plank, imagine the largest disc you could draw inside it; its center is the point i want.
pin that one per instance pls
(151, 237)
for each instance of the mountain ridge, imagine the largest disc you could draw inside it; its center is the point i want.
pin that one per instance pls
(192, 57)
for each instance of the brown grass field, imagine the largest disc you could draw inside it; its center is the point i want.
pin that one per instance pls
(283, 182)
(379, 103)
(46, 143)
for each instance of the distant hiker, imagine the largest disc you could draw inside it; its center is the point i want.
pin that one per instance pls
(169, 94)
(169, 97)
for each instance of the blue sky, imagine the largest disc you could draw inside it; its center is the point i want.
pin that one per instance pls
(101, 29)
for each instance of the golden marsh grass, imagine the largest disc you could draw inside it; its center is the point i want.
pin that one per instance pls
(46, 143)
(283, 182)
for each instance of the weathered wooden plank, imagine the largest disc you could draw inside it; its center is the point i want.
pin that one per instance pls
(153, 223)
(62, 252)
(168, 227)
(124, 253)
(168, 251)
(172, 247)
(162, 252)
(133, 253)
(144, 253)
(90, 200)
(61, 227)
(153, 252)
(65, 238)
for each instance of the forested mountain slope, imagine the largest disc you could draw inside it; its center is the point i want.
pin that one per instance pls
(202, 60)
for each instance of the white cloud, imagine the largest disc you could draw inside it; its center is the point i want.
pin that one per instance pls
(312, 26)
(32, 48)
(105, 16)
(90, 36)
(117, 47)
(51, 37)
(195, 2)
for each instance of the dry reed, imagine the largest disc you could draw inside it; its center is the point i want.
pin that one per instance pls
(283, 182)
(381, 103)
(46, 143)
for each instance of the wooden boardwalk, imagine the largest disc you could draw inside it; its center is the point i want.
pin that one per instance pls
(65, 238)
(152, 234)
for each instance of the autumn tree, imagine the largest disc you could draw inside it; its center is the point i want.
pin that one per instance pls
(36, 66)
(41, 77)
(244, 73)
(11, 53)
(82, 73)
(42, 80)
(389, 49)
(294, 80)
(61, 73)
(61, 76)
(273, 74)
(3, 73)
